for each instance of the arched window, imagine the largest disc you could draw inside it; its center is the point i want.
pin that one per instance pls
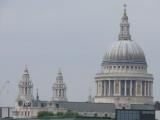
(143, 88)
(122, 87)
(60, 93)
(28, 113)
(133, 88)
(25, 113)
(57, 105)
(128, 88)
(111, 87)
(25, 90)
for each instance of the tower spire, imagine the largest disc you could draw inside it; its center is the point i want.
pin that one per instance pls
(124, 26)
(25, 69)
(59, 77)
(125, 6)
(37, 97)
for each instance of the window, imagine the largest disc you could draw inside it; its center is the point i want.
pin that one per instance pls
(28, 113)
(25, 90)
(122, 87)
(128, 88)
(107, 87)
(146, 88)
(143, 88)
(111, 87)
(57, 105)
(135, 115)
(60, 93)
(150, 88)
(42, 105)
(25, 113)
(133, 88)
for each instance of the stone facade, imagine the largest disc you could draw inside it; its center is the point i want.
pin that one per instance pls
(124, 79)
(25, 97)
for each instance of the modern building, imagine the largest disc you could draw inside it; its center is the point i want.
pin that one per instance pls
(123, 78)
(133, 114)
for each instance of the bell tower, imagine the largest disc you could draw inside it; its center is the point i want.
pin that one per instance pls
(25, 96)
(59, 88)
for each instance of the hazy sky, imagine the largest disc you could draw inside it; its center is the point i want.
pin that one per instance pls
(72, 35)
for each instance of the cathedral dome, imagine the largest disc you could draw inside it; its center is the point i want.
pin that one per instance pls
(123, 79)
(125, 51)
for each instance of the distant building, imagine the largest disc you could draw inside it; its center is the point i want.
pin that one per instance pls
(5, 112)
(123, 82)
(157, 105)
(157, 108)
(157, 115)
(123, 78)
(133, 114)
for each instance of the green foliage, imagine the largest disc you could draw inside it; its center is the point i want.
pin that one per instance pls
(43, 114)
(46, 114)
(59, 114)
(71, 114)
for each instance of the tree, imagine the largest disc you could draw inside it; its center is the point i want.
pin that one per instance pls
(43, 114)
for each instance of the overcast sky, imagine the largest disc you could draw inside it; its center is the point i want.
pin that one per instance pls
(72, 35)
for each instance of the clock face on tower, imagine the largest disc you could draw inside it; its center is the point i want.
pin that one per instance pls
(27, 103)
(20, 102)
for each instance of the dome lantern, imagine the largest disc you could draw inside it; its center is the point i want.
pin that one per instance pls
(124, 27)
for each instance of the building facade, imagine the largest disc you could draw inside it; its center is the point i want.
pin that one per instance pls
(123, 78)
(124, 114)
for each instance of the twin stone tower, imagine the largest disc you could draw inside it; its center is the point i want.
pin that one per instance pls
(25, 96)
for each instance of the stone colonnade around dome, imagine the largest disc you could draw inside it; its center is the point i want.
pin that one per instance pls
(124, 88)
